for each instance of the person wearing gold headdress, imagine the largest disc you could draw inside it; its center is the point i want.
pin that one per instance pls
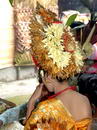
(65, 110)
(57, 54)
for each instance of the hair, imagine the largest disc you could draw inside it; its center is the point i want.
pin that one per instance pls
(40, 76)
(88, 86)
(71, 81)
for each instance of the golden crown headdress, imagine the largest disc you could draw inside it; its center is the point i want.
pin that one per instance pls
(54, 48)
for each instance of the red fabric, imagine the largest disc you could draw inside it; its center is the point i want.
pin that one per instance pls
(35, 61)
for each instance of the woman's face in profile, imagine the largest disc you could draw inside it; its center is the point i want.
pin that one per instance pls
(47, 80)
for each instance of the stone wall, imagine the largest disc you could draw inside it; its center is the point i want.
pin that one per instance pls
(17, 73)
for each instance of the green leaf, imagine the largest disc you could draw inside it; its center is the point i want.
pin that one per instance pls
(11, 2)
(71, 19)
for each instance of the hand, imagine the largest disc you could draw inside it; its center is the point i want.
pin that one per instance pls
(36, 95)
(38, 92)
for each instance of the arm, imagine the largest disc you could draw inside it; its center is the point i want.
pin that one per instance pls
(89, 127)
(88, 112)
(31, 104)
(84, 113)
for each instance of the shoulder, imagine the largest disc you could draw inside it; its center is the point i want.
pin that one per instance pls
(46, 103)
(84, 106)
(81, 97)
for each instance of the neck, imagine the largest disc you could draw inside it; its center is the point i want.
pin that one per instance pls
(61, 91)
(61, 87)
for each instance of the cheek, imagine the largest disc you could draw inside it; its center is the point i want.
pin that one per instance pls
(49, 86)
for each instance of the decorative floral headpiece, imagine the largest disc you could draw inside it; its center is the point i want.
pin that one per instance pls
(54, 48)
